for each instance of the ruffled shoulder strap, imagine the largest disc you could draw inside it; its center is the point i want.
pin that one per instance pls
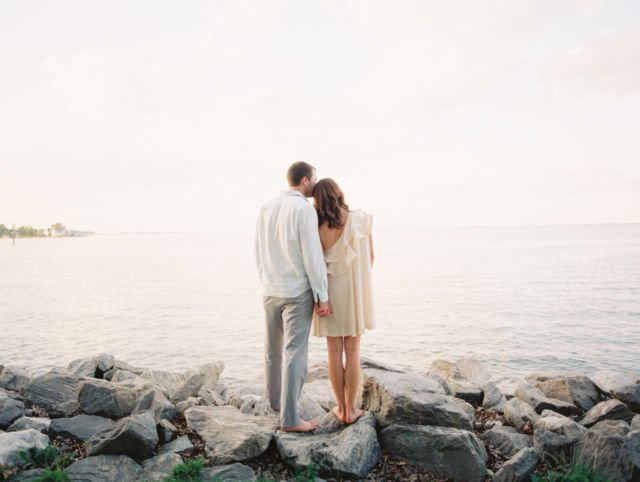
(340, 256)
(361, 223)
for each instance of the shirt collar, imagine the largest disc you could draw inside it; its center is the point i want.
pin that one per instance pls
(291, 192)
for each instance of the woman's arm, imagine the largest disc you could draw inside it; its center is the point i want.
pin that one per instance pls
(371, 247)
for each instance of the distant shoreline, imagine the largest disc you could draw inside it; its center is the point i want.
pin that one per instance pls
(57, 230)
(77, 234)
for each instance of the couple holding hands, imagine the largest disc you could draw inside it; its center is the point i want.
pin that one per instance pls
(314, 263)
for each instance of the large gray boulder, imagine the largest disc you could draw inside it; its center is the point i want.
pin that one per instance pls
(448, 452)
(14, 378)
(609, 381)
(81, 427)
(609, 410)
(474, 370)
(192, 386)
(229, 473)
(11, 409)
(624, 388)
(106, 362)
(166, 431)
(135, 436)
(409, 398)
(95, 366)
(519, 413)
(635, 423)
(366, 362)
(12, 443)
(457, 378)
(318, 371)
(56, 391)
(320, 391)
(556, 436)
(498, 390)
(539, 377)
(212, 396)
(105, 467)
(177, 387)
(235, 392)
(506, 440)
(160, 466)
(41, 424)
(117, 375)
(184, 405)
(633, 449)
(509, 385)
(30, 475)
(539, 401)
(308, 409)
(256, 405)
(351, 451)
(109, 399)
(178, 446)
(231, 436)
(518, 468)
(121, 365)
(493, 398)
(576, 390)
(155, 401)
(608, 450)
(188, 389)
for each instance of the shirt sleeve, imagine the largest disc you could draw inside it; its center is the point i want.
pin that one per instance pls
(312, 255)
(256, 248)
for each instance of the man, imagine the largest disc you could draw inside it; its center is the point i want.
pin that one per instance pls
(294, 277)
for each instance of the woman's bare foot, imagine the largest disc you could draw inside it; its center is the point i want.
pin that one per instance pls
(303, 426)
(339, 413)
(353, 415)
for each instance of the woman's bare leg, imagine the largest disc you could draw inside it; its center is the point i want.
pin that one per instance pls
(351, 377)
(335, 347)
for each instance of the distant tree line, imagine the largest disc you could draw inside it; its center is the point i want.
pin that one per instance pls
(57, 229)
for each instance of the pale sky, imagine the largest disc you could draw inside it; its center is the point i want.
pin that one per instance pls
(184, 116)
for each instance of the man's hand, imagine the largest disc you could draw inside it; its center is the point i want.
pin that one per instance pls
(323, 309)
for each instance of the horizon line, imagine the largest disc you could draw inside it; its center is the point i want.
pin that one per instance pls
(475, 226)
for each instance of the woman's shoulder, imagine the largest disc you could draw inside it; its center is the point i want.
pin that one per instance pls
(359, 213)
(361, 220)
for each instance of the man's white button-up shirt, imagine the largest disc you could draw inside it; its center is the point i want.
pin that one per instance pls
(288, 251)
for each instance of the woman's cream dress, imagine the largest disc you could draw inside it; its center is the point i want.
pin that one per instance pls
(349, 274)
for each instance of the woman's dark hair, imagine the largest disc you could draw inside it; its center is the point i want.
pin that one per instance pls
(328, 200)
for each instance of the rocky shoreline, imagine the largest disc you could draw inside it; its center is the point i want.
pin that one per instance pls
(114, 421)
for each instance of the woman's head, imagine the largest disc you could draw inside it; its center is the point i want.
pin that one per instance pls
(328, 200)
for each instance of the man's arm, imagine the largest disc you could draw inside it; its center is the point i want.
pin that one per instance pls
(312, 255)
(257, 247)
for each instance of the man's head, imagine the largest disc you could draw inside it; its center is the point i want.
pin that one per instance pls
(302, 177)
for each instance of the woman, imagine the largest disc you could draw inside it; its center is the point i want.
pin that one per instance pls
(348, 248)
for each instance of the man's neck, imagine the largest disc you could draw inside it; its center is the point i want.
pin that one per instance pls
(299, 189)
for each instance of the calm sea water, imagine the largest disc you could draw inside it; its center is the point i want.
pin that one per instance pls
(521, 299)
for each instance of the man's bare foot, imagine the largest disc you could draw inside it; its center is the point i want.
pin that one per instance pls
(303, 426)
(353, 415)
(339, 413)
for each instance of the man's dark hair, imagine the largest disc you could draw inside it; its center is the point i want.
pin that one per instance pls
(297, 171)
